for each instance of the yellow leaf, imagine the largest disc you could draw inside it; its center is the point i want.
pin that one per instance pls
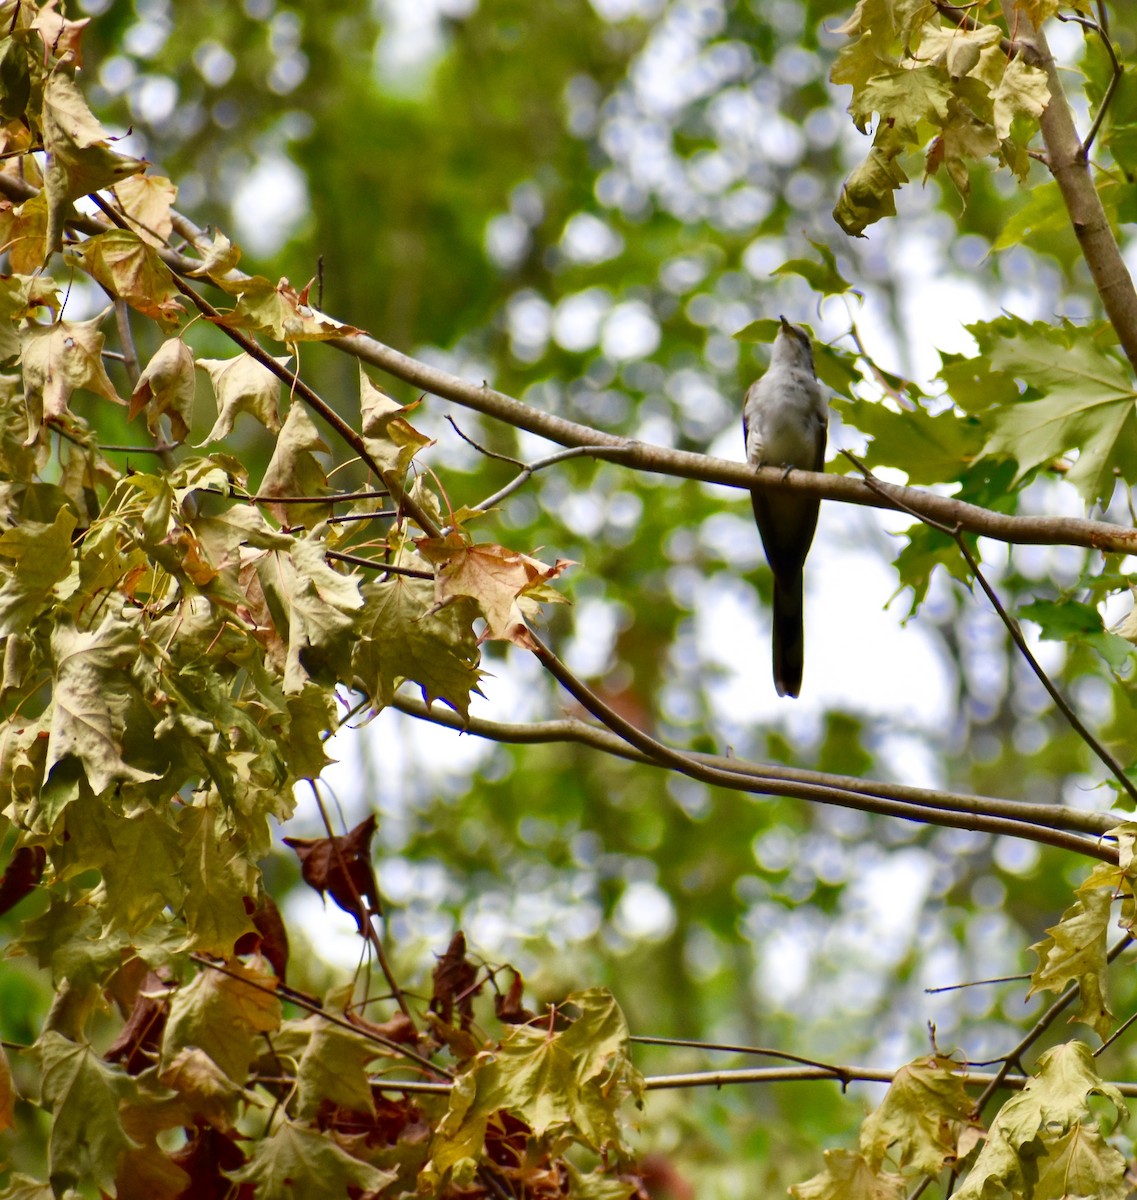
(146, 201)
(241, 384)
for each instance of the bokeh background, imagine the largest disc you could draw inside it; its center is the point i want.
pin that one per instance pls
(582, 203)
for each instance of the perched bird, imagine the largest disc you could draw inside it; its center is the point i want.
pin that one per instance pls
(785, 419)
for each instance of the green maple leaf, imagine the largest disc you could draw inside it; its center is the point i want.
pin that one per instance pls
(280, 312)
(906, 97)
(1087, 405)
(240, 385)
(929, 448)
(866, 195)
(297, 1161)
(333, 1066)
(1022, 90)
(1082, 1163)
(222, 1014)
(23, 1187)
(39, 557)
(57, 360)
(403, 639)
(139, 858)
(79, 158)
(1051, 1104)
(83, 1094)
(218, 877)
(68, 939)
(917, 1121)
(294, 471)
(1075, 950)
(318, 607)
(93, 693)
(848, 1176)
(167, 385)
(568, 1084)
(391, 439)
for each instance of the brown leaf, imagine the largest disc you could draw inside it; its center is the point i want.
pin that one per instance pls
(455, 983)
(203, 1158)
(137, 1045)
(23, 872)
(399, 1028)
(508, 1008)
(270, 939)
(61, 37)
(341, 866)
(130, 269)
(495, 577)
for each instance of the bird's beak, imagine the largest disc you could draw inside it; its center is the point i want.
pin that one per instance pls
(785, 324)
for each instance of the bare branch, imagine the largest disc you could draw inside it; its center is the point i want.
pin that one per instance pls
(1102, 30)
(1014, 1057)
(1052, 816)
(687, 765)
(717, 1079)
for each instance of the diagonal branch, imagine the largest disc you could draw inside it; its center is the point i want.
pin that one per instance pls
(1012, 626)
(664, 755)
(1050, 816)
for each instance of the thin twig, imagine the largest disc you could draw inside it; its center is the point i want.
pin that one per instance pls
(718, 1079)
(370, 516)
(387, 568)
(1014, 1057)
(362, 911)
(957, 987)
(1116, 1034)
(1114, 80)
(1012, 626)
(309, 1004)
(729, 1048)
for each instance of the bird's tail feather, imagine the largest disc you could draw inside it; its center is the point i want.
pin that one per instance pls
(789, 635)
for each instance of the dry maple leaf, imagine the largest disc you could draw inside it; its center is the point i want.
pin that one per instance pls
(495, 577)
(341, 866)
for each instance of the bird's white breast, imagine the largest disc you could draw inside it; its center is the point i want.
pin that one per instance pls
(783, 417)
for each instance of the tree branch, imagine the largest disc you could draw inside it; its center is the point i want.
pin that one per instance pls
(1050, 816)
(1067, 531)
(1012, 627)
(1066, 156)
(686, 764)
(1071, 531)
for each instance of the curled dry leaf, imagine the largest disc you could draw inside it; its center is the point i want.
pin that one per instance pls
(495, 577)
(341, 866)
(167, 386)
(241, 384)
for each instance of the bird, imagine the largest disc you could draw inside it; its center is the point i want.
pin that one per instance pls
(785, 421)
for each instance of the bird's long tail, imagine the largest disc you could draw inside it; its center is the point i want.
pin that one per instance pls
(789, 635)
